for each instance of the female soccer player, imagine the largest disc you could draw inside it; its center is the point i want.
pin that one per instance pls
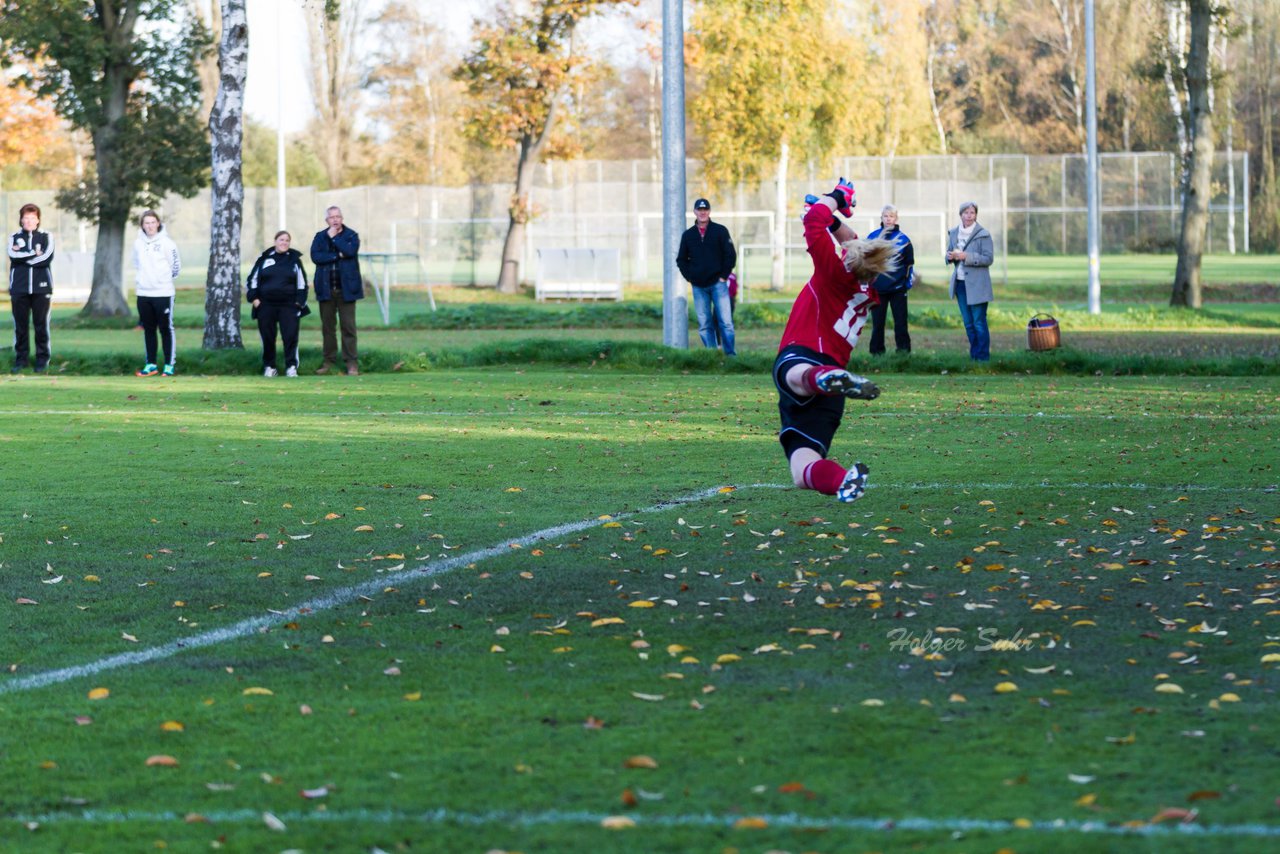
(824, 325)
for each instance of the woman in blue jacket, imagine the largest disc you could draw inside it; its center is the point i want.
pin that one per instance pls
(892, 287)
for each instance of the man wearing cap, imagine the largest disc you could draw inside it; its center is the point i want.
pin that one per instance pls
(706, 258)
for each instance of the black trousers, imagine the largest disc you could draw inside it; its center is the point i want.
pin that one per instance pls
(30, 310)
(273, 316)
(901, 337)
(156, 314)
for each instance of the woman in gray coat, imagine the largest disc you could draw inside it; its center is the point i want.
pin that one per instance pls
(971, 250)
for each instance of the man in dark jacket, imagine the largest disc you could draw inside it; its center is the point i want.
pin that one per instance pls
(338, 284)
(706, 258)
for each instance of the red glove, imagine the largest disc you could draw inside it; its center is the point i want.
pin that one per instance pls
(845, 197)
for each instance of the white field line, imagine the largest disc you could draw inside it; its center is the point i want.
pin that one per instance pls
(872, 483)
(332, 599)
(442, 413)
(708, 820)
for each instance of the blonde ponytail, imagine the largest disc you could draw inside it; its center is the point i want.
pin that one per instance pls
(867, 259)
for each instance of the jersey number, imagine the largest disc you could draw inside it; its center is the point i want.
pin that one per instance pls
(850, 324)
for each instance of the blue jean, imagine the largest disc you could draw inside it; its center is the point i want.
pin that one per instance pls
(704, 301)
(975, 325)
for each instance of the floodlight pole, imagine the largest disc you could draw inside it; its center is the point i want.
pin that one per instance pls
(1091, 148)
(675, 308)
(280, 179)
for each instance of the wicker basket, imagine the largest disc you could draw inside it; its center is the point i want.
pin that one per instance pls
(1043, 333)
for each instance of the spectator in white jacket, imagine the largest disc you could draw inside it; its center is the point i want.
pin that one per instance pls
(155, 258)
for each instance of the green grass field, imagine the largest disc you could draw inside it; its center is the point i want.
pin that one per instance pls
(535, 609)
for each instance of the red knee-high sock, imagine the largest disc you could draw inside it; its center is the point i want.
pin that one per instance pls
(809, 379)
(824, 476)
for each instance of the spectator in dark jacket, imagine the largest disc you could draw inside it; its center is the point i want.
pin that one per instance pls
(335, 252)
(892, 287)
(30, 288)
(277, 287)
(706, 258)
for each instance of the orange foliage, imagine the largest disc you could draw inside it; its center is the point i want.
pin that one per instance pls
(28, 127)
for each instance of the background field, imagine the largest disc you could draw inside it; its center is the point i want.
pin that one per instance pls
(427, 670)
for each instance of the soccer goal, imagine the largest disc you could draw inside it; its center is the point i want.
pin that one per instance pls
(384, 275)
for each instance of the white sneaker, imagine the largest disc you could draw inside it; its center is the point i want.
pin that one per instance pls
(271, 372)
(290, 371)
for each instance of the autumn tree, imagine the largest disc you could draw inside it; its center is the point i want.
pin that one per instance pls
(417, 114)
(337, 73)
(28, 127)
(771, 89)
(517, 75)
(124, 73)
(900, 89)
(226, 130)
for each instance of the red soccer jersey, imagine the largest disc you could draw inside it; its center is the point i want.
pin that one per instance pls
(831, 310)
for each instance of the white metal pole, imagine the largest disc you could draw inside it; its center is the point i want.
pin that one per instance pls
(675, 312)
(280, 179)
(1091, 145)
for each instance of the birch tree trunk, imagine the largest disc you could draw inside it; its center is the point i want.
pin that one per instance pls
(1175, 73)
(931, 49)
(1195, 204)
(780, 218)
(226, 130)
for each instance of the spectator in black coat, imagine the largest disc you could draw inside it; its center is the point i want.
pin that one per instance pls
(277, 287)
(706, 258)
(30, 288)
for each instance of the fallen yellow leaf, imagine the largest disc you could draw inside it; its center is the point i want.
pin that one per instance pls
(728, 658)
(607, 621)
(616, 822)
(364, 528)
(753, 822)
(1168, 688)
(1006, 688)
(172, 726)
(640, 603)
(162, 761)
(640, 762)
(99, 694)
(265, 692)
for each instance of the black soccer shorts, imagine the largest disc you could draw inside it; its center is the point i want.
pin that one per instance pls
(807, 422)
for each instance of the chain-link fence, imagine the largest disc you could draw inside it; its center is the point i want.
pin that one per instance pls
(1031, 204)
